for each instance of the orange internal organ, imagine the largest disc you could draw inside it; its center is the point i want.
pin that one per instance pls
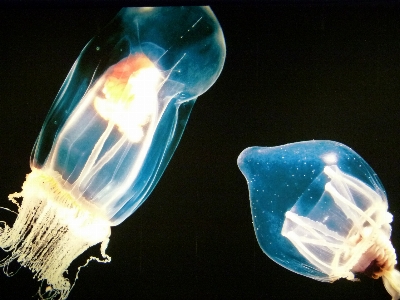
(130, 95)
(117, 86)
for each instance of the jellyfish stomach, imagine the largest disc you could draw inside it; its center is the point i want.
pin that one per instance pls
(128, 97)
(51, 230)
(379, 260)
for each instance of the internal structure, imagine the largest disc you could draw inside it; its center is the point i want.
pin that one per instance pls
(346, 232)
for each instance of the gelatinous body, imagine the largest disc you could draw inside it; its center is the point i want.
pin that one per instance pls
(320, 210)
(110, 133)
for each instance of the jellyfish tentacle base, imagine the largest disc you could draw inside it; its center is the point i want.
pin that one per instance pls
(366, 248)
(379, 261)
(51, 230)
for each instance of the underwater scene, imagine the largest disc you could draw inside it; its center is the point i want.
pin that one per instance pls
(262, 75)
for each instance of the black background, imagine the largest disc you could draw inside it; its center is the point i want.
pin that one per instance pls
(293, 72)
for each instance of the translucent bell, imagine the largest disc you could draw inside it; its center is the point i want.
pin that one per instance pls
(122, 109)
(110, 134)
(320, 210)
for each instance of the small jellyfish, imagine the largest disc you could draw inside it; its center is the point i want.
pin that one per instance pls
(320, 210)
(110, 134)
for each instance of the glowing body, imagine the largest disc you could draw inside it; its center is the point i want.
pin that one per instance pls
(321, 211)
(110, 134)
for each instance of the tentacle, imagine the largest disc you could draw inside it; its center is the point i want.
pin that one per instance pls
(391, 280)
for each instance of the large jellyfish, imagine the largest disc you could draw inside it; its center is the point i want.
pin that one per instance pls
(110, 134)
(320, 210)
